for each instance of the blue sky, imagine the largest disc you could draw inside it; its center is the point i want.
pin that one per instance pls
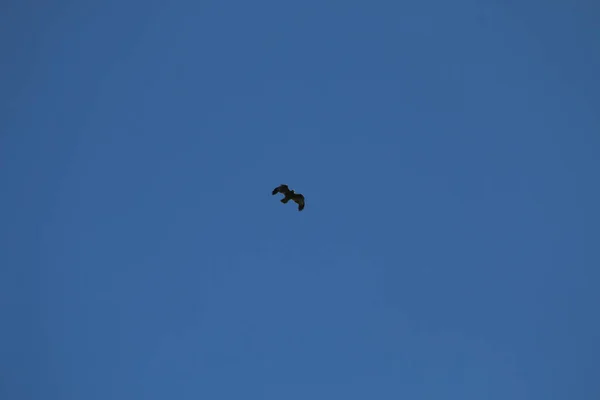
(448, 152)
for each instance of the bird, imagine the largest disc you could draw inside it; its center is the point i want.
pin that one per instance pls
(290, 195)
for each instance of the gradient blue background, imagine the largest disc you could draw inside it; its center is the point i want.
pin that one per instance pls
(448, 152)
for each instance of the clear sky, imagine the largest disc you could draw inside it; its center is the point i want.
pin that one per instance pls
(448, 152)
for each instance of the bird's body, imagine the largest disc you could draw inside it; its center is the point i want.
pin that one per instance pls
(290, 195)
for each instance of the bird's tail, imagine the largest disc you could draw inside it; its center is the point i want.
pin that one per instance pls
(285, 200)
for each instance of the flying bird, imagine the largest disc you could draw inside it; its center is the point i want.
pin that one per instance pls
(290, 195)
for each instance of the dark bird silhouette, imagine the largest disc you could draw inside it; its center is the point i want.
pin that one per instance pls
(290, 195)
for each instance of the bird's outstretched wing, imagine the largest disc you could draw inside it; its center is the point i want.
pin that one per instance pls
(299, 199)
(281, 189)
